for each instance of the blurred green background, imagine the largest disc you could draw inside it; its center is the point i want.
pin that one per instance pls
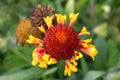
(102, 19)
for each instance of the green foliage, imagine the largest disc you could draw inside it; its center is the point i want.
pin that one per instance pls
(84, 67)
(70, 6)
(93, 75)
(15, 60)
(100, 59)
(113, 56)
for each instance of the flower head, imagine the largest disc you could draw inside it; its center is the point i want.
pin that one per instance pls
(61, 42)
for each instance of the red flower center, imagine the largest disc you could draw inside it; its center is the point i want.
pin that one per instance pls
(61, 41)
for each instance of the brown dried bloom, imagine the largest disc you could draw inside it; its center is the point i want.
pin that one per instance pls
(39, 13)
(24, 29)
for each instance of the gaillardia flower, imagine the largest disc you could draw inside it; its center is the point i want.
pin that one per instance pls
(61, 42)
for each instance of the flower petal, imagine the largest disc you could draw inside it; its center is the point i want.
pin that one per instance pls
(34, 40)
(83, 32)
(46, 57)
(69, 67)
(85, 42)
(52, 61)
(60, 18)
(78, 55)
(40, 50)
(72, 17)
(67, 70)
(41, 28)
(90, 50)
(73, 61)
(36, 57)
(43, 64)
(48, 21)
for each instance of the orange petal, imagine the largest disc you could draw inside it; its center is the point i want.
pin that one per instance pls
(83, 32)
(72, 17)
(90, 50)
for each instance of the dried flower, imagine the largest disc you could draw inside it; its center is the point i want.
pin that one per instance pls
(24, 29)
(39, 13)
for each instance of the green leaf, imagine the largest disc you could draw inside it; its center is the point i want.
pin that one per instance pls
(54, 79)
(80, 5)
(24, 53)
(113, 55)
(59, 7)
(32, 73)
(61, 67)
(100, 59)
(115, 75)
(50, 71)
(75, 76)
(115, 68)
(18, 68)
(84, 66)
(69, 6)
(92, 75)
(13, 61)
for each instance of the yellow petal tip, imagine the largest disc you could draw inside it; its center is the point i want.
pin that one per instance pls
(41, 28)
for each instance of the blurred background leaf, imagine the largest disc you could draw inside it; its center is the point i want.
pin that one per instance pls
(93, 75)
(100, 59)
(113, 56)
